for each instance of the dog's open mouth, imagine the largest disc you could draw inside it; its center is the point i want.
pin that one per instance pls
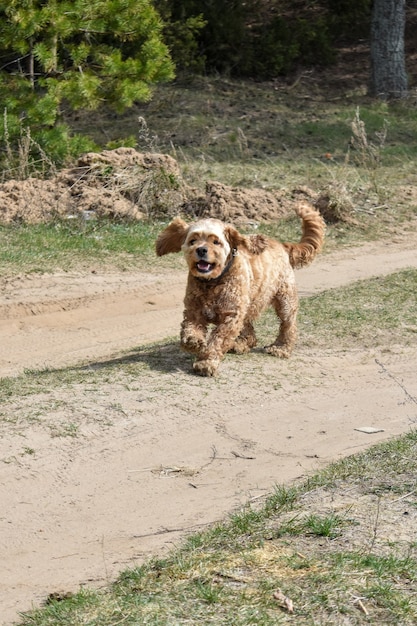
(204, 267)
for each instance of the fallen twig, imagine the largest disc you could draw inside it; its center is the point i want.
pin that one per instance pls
(166, 531)
(384, 369)
(360, 604)
(242, 456)
(284, 600)
(403, 497)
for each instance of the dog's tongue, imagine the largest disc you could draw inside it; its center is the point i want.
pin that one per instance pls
(203, 266)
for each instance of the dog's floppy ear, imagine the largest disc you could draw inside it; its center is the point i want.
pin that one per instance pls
(254, 244)
(172, 238)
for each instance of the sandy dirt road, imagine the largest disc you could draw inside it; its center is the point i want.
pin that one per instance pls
(61, 319)
(95, 477)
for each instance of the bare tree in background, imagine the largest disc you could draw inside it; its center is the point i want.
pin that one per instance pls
(388, 75)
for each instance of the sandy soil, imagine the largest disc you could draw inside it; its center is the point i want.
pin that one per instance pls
(98, 475)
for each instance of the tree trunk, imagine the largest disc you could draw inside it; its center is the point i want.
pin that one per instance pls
(388, 75)
(31, 65)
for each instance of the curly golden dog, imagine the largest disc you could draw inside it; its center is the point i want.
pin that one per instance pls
(233, 278)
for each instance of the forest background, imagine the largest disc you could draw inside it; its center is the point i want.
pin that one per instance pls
(57, 57)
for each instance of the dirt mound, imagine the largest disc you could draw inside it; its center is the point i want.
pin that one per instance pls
(32, 200)
(122, 158)
(238, 205)
(127, 184)
(121, 183)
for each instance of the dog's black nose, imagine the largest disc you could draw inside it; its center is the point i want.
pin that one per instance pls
(201, 252)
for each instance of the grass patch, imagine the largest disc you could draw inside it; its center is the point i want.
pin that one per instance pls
(216, 120)
(367, 313)
(240, 571)
(76, 244)
(364, 312)
(123, 369)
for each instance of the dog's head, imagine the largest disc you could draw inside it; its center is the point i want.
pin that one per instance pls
(208, 245)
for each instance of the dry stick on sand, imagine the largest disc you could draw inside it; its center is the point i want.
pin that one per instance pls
(386, 371)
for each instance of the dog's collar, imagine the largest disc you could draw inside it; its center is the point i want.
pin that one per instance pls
(213, 281)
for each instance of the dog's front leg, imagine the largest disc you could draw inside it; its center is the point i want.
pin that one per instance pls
(221, 340)
(193, 337)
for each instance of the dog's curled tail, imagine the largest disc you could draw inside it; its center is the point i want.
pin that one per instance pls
(303, 253)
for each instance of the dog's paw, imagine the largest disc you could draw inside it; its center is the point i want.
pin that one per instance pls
(192, 344)
(281, 351)
(207, 367)
(242, 345)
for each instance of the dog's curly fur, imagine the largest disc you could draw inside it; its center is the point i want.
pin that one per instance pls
(232, 279)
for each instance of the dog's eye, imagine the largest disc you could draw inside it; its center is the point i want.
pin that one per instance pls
(217, 242)
(191, 242)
